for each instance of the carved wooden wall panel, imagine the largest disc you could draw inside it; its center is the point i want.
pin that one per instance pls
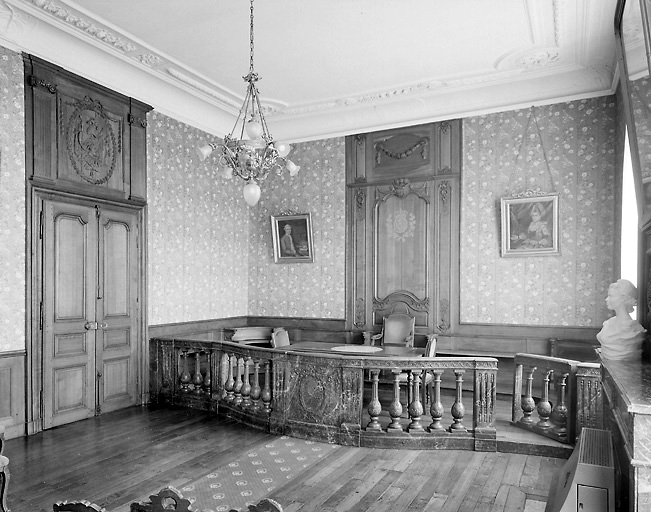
(402, 199)
(83, 138)
(85, 154)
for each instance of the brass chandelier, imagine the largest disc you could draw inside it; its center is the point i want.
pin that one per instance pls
(253, 157)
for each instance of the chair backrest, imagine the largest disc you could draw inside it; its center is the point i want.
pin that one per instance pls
(167, 498)
(279, 337)
(430, 348)
(398, 329)
(77, 506)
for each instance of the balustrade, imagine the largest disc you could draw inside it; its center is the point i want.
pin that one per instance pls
(418, 398)
(577, 401)
(323, 394)
(389, 416)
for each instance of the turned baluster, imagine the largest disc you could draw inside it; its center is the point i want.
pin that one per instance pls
(416, 406)
(197, 379)
(256, 390)
(436, 407)
(559, 414)
(229, 386)
(207, 380)
(374, 407)
(185, 377)
(544, 407)
(528, 404)
(458, 410)
(246, 386)
(395, 409)
(238, 381)
(266, 391)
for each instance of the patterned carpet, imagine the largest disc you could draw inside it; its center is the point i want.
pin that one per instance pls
(252, 477)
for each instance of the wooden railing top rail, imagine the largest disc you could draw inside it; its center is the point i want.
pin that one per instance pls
(364, 361)
(555, 363)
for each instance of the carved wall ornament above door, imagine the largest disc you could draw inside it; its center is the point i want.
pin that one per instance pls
(91, 142)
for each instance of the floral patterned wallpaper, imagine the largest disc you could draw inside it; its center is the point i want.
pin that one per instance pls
(578, 140)
(211, 256)
(12, 202)
(198, 230)
(314, 290)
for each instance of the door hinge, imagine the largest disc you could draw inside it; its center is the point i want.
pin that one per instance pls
(40, 316)
(40, 226)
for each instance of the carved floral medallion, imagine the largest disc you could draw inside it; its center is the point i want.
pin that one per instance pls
(91, 142)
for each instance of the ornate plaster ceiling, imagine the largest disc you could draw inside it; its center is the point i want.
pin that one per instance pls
(328, 67)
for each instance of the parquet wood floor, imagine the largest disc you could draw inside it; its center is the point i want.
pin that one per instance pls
(119, 457)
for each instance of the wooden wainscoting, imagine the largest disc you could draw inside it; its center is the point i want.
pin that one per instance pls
(12, 404)
(299, 329)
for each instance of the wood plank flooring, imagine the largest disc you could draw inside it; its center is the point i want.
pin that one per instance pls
(122, 456)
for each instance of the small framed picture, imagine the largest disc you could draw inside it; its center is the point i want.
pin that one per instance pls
(292, 238)
(530, 225)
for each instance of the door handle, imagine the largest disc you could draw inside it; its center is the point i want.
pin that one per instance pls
(93, 326)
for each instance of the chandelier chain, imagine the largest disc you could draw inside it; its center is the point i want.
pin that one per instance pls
(251, 40)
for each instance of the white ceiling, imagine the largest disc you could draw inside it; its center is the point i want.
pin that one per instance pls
(328, 67)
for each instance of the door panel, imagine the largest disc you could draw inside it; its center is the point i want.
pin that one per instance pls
(117, 309)
(70, 280)
(91, 310)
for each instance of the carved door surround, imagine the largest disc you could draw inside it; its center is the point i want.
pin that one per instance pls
(86, 182)
(403, 236)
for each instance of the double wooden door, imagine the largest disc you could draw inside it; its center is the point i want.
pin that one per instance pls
(90, 309)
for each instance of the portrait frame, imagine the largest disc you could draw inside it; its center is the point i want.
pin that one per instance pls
(530, 225)
(301, 238)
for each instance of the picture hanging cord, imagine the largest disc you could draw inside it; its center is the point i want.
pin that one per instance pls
(532, 113)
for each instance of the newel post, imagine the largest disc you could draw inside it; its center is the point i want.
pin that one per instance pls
(484, 397)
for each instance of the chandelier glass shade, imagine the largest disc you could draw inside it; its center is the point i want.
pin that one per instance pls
(249, 151)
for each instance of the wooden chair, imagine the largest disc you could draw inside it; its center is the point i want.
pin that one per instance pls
(279, 338)
(265, 505)
(397, 329)
(167, 498)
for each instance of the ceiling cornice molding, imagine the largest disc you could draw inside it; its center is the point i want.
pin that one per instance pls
(61, 32)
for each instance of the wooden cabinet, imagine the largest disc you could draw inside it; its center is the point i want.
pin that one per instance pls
(403, 199)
